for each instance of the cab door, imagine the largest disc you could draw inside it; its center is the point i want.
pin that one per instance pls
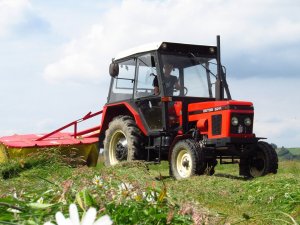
(148, 104)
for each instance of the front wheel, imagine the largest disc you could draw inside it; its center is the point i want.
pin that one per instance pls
(186, 159)
(263, 161)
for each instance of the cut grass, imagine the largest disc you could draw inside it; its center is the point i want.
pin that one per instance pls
(222, 198)
(257, 201)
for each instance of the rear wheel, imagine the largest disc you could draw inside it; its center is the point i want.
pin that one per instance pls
(263, 162)
(186, 159)
(123, 141)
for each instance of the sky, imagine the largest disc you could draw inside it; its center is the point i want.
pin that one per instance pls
(55, 55)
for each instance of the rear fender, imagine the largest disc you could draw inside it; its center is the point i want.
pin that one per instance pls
(117, 109)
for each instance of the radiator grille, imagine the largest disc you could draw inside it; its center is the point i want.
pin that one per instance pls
(216, 124)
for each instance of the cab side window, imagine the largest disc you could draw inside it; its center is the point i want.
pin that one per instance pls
(123, 84)
(146, 73)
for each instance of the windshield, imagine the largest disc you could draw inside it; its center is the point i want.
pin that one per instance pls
(188, 75)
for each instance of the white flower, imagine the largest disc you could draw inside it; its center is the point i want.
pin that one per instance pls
(125, 187)
(88, 218)
(287, 195)
(97, 180)
(150, 197)
(271, 199)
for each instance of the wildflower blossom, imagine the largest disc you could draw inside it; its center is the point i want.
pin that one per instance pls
(125, 187)
(287, 195)
(149, 196)
(271, 199)
(88, 218)
(97, 180)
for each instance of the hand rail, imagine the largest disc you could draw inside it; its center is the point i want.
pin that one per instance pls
(74, 123)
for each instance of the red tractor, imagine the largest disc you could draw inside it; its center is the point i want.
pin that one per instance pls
(171, 101)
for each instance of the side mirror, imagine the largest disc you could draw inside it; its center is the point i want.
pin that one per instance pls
(114, 69)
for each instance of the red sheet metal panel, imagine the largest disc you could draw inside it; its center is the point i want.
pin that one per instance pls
(58, 139)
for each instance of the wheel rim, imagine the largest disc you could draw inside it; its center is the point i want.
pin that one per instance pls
(257, 165)
(184, 163)
(118, 147)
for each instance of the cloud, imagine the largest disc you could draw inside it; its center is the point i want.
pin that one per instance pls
(82, 60)
(32, 25)
(11, 12)
(253, 28)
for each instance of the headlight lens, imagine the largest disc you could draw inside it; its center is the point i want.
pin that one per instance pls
(247, 121)
(234, 121)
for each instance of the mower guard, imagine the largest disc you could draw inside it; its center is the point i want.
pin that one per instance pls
(84, 143)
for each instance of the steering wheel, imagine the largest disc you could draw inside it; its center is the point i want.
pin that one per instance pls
(185, 91)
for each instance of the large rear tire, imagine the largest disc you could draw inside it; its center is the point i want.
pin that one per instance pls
(263, 162)
(123, 141)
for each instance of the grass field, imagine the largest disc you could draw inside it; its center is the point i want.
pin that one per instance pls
(33, 190)
(294, 151)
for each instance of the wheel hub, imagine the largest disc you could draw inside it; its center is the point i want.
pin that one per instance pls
(118, 147)
(184, 163)
(121, 149)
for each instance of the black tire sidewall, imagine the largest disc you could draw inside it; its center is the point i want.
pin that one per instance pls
(269, 157)
(191, 149)
(122, 123)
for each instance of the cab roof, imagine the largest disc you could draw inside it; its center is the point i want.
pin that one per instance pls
(139, 49)
(169, 47)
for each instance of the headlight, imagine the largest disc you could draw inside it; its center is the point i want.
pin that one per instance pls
(247, 121)
(234, 121)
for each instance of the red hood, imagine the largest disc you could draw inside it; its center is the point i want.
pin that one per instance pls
(215, 104)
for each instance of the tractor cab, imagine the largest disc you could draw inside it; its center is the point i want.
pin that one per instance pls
(158, 79)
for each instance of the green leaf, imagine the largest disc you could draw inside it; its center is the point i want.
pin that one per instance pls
(36, 205)
(85, 199)
(162, 194)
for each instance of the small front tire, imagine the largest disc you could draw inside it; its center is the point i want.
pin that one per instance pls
(262, 162)
(186, 160)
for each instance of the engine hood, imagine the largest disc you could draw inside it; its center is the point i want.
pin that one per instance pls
(213, 106)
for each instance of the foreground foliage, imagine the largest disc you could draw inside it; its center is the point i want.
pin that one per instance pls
(32, 190)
